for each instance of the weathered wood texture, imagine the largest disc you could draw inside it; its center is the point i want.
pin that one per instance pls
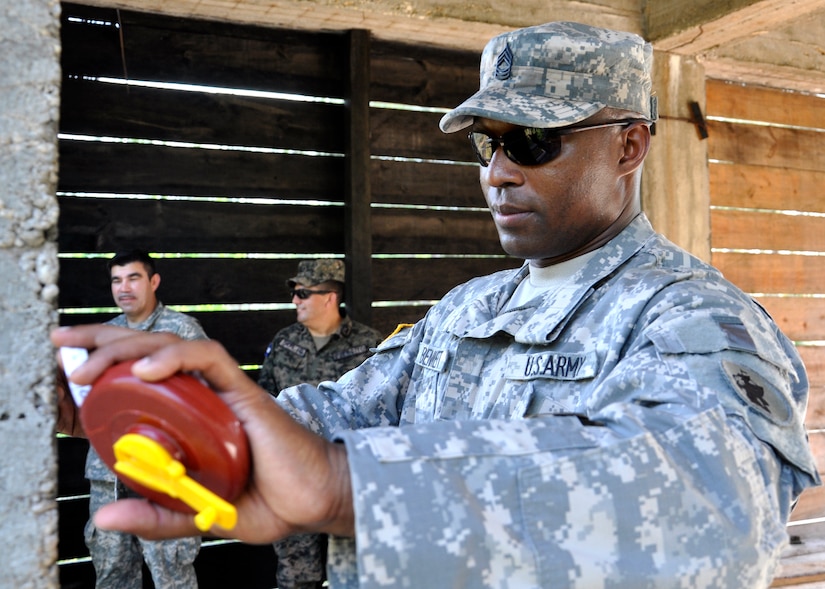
(767, 169)
(243, 185)
(257, 174)
(675, 177)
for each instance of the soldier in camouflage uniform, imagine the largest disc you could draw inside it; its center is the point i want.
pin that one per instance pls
(118, 558)
(322, 345)
(613, 414)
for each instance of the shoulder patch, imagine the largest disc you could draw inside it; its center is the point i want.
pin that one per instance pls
(736, 334)
(757, 393)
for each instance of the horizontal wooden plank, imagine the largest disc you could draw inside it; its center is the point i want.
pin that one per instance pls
(184, 171)
(811, 505)
(71, 464)
(421, 75)
(800, 318)
(769, 105)
(766, 146)
(188, 171)
(816, 439)
(766, 230)
(72, 515)
(90, 41)
(403, 231)
(260, 57)
(803, 562)
(425, 183)
(169, 49)
(196, 281)
(186, 226)
(99, 109)
(773, 273)
(760, 187)
(405, 133)
(814, 359)
(430, 279)
(815, 415)
(196, 226)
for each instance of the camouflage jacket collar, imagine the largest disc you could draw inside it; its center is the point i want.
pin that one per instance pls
(544, 316)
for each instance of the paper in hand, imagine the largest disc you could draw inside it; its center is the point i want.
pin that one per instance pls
(72, 358)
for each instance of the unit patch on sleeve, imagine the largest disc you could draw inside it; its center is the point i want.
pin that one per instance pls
(757, 392)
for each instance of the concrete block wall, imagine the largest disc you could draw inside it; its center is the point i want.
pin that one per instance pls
(29, 110)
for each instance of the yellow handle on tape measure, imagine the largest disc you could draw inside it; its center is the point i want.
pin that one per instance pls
(146, 462)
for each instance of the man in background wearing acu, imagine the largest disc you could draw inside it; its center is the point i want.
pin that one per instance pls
(117, 557)
(322, 345)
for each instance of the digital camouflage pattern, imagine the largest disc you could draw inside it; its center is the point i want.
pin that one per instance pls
(557, 74)
(640, 427)
(301, 561)
(118, 557)
(290, 359)
(312, 272)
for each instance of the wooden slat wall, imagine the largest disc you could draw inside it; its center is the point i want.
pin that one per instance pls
(162, 181)
(767, 170)
(274, 199)
(192, 52)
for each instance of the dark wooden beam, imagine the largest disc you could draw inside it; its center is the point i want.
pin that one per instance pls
(357, 216)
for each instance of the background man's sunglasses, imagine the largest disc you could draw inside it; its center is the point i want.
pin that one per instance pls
(305, 293)
(530, 146)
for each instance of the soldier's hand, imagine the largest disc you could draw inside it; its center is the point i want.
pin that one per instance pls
(298, 481)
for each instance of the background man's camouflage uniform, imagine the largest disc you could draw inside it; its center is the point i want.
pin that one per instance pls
(117, 556)
(292, 358)
(596, 436)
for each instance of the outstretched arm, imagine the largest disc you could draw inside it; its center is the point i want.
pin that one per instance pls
(298, 481)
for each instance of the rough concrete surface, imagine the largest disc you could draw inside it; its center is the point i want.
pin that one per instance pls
(29, 108)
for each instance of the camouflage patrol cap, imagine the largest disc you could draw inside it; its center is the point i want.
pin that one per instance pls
(557, 74)
(312, 272)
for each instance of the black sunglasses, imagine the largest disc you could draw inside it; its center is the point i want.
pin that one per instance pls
(531, 146)
(305, 293)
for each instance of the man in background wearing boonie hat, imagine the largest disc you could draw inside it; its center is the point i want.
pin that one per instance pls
(323, 344)
(614, 413)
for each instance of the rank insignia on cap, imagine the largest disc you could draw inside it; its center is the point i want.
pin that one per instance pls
(504, 63)
(759, 395)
